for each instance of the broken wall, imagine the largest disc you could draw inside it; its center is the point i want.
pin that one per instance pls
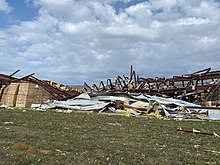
(23, 95)
(9, 94)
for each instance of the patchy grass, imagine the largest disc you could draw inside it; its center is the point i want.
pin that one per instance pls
(77, 138)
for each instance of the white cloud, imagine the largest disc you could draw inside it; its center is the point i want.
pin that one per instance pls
(165, 4)
(192, 21)
(132, 31)
(4, 7)
(68, 27)
(207, 40)
(140, 12)
(74, 41)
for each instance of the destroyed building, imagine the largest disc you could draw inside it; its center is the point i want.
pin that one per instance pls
(189, 96)
(30, 90)
(201, 87)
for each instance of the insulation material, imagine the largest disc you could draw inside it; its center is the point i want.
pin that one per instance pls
(9, 95)
(30, 93)
(23, 95)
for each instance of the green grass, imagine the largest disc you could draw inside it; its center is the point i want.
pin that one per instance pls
(79, 138)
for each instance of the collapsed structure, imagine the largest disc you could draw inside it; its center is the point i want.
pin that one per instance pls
(28, 90)
(189, 96)
(179, 97)
(198, 87)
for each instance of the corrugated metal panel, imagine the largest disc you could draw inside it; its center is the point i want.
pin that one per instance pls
(214, 114)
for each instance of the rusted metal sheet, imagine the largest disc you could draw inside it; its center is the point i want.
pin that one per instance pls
(57, 93)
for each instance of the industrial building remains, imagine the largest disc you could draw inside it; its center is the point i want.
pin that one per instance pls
(30, 90)
(189, 96)
(198, 87)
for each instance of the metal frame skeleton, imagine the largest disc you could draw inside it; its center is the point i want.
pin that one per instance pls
(196, 87)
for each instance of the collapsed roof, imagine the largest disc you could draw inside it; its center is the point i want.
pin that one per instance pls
(197, 87)
(57, 93)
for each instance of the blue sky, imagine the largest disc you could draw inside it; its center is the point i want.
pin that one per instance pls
(21, 11)
(73, 41)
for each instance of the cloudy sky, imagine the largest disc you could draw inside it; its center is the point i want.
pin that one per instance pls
(76, 41)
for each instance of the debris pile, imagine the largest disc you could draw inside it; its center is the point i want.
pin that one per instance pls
(129, 105)
(179, 97)
(198, 87)
(190, 96)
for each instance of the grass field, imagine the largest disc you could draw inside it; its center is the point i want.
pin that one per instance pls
(31, 137)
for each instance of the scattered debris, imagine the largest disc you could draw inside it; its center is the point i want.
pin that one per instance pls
(3, 106)
(114, 124)
(8, 122)
(189, 96)
(129, 105)
(194, 131)
(63, 153)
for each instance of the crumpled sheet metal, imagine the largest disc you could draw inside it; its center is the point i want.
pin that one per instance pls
(166, 101)
(113, 98)
(82, 96)
(132, 105)
(82, 102)
(140, 104)
(83, 108)
(79, 102)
